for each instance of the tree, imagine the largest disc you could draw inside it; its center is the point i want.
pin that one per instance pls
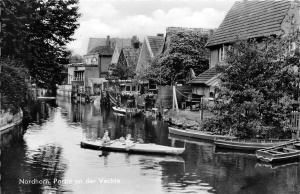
(257, 90)
(36, 32)
(186, 50)
(13, 87)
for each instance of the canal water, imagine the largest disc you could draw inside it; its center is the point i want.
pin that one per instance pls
(50, 160)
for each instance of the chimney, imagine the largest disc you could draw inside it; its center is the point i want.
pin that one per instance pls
(135, 43)
(160, 34)
(108, 42)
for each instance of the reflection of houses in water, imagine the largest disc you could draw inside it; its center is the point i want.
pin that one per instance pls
(41, 111)
(48, 164)
(95, 120)
(44, 164)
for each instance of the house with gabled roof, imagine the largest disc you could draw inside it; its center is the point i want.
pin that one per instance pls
(118, 44)
(101, 57)
(128, 60)
(95, 42)
(152, 46)
(246, 20)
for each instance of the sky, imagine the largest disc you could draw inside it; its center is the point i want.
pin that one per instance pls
(126, 18)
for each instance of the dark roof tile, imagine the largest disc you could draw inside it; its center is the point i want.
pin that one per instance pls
(131, 55)
(251, 19)
(156, 44)
(103, 50)
(205, 76)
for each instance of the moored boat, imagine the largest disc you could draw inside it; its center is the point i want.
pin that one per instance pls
(197, 134)
(280, 153)
(46, 97)
(137, 148)
(119, 110)
(247, 145)
(130, 111)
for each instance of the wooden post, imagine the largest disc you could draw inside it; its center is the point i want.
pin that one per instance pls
(201, 109)
(172, 141)
(298, 125)
(175, 103)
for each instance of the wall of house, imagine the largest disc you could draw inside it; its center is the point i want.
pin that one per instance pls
(70, 74)
(91, 59)
(90, 72)
(291, 22)
(203, 91)
(105, 62)
(214, 57)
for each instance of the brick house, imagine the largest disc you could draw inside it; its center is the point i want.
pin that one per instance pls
(100, 56)
(246, 20)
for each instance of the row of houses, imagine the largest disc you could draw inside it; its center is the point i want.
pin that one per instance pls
(245, 20)
(127, 55)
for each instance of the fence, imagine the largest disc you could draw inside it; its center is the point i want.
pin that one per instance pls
(165, 95)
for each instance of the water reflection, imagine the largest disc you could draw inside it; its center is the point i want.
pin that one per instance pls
(25, 169)
(50, 151)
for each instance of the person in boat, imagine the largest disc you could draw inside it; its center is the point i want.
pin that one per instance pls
(122, 139)
(106, 138)
(140, 140)
(128, 141)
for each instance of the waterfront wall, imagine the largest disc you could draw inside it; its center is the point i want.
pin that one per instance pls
(10, 127)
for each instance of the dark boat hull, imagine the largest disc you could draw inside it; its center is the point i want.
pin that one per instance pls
(245, 146)
(197, 134)
(281, 153)
(90, 146)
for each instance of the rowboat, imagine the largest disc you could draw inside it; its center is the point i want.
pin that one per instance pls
(285, 152)
(197, 134)
(187, 140)
(46, 98)
(247, 145)
(119, 110)
(136, 148)
(130, 111)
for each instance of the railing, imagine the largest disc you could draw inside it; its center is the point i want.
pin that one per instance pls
(294, 121)
(7, 118)
(78, 79)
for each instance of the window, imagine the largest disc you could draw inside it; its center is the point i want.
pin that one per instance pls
(222, 53)
(78, 75)
(292, 48)
(133, 88)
